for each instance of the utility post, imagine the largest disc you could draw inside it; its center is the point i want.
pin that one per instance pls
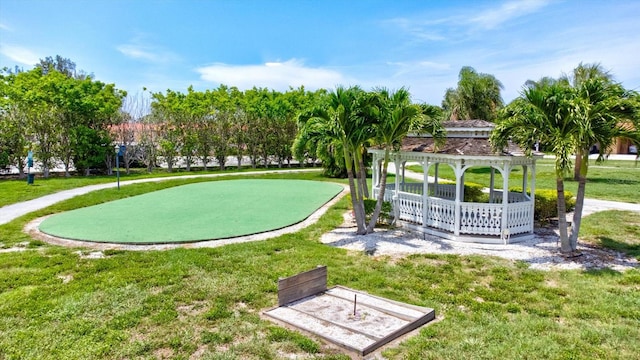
(120, 149)
(30, 176)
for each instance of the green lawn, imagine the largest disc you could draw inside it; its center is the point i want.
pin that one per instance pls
(195, 212)
(609, 180)
(206, 303)
(17, 190)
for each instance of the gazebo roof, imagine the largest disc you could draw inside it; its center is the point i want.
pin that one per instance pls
(457, 146)
(464, 137)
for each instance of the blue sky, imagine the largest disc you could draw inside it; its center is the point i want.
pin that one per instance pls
(320, 44)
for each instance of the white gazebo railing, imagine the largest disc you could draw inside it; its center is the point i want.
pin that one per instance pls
(475, 218)
(480, 219)
(441, 214)
(440, 209)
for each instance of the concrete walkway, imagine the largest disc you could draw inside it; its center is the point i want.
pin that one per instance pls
(13, 211)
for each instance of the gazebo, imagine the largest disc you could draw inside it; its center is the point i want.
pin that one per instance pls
(437, 207)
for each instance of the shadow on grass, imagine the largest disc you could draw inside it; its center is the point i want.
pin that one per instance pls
(487, 170)
(613, 181)
(602, 272)
(626, 248)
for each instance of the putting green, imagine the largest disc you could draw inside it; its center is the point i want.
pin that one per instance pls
(195, 212)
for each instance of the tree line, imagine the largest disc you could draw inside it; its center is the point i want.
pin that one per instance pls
(59, 114)
(66, 117)
(72, 119)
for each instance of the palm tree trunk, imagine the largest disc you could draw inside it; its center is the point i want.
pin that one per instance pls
(363, 175)
(381, 193)
(358, 205)
(577, 213)
(358, 175)
(565, 246)
(578, 165)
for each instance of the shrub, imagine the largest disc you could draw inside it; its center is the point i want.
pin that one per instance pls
(385, 211)
(473, 193)
(370, 206)
(546, 206)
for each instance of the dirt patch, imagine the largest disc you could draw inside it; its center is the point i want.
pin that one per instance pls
(21, 246)
(164, 353)
(198, 353)
(65, 278)
(191, 310)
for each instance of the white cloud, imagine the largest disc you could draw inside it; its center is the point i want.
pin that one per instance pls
(273, 75)
(148, 53)
(489, 19)
(5, 27)
(19, 54)
(466, 20)
(417, 29)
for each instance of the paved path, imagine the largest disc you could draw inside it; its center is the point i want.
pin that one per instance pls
(10, 212)
(13, 211)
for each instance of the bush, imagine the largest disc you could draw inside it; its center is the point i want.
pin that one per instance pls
(385, 211)
(473, 193)
(546, 206)
(370, 206)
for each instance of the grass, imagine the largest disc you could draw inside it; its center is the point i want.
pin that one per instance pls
(618, 230)
(17, 190)
(609, 180)
(206, 303)
(194, 212)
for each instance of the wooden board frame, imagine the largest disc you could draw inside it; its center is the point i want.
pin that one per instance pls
(312, 285)
(302, 285)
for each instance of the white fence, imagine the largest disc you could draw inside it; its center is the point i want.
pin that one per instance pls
(475, 218)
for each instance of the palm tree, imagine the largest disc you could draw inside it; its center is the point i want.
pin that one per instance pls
(343, 121)
(569, 119)
(543, 112)
(602, 108)
(397, 117)
(580, 75)
(477, 96)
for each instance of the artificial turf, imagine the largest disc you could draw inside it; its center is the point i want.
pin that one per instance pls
(195, 212)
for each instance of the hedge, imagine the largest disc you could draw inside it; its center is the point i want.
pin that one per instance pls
(546, 206)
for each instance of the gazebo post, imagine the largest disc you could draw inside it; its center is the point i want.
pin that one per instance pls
(425, 190)
(396, 210)
(491, 184)
(375, 173)
(533, 194)
(459, 178)
(505, 197)
(524, 179)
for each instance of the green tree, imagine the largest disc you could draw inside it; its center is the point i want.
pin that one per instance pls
(581, 74)
(568, 120)
(13, 138)
(397, 117)
(542, 112)
(477, 96)
(13, 124)
(342, 120)
(30, 94)
(601, 110)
